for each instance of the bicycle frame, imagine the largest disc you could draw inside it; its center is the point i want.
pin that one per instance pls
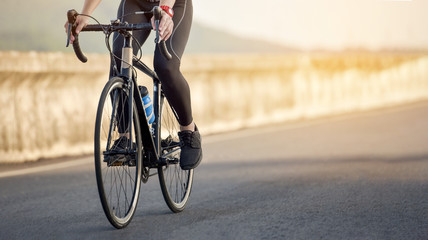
(125, 167)
(151, 140)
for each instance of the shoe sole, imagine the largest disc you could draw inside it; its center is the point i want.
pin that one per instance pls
(189, 167)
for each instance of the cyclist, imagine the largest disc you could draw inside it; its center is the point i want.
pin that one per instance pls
(174, 28)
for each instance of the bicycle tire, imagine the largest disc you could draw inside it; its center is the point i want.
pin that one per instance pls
(118, 181)
(176, 184)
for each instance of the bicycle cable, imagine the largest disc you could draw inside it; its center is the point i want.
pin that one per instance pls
(108, 45)
(139, 53)
(89, 16)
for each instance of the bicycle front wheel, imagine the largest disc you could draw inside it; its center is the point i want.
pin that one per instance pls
(176, 183)
(118, 157)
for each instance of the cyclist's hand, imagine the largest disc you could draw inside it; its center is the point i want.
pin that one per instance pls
(81, 22)
(166, 26)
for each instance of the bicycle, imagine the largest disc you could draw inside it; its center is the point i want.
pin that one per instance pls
(121, 114)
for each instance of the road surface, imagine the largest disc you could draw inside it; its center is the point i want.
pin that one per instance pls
(357, 176)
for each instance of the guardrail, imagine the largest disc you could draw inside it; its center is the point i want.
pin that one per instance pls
(49, 99)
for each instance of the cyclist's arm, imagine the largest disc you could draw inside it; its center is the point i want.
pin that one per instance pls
(88, 7)
(166, 24)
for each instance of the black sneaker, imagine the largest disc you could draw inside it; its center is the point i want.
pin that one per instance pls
(191, 150)
(117, 155)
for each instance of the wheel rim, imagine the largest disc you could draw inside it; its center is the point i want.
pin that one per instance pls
(118, 183)
(176, 183)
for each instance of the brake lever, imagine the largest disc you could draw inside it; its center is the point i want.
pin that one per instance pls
(160, 43)
(68, 34)
(157, 31)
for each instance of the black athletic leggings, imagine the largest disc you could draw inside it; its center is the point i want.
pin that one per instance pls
(174, 85)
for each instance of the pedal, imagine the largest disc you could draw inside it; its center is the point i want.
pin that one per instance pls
(168, 161)
(116, 164)
(117, 159)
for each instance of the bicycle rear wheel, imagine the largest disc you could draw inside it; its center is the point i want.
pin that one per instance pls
(176, 184)
(118, 168)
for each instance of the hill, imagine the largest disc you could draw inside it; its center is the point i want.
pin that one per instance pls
(39, 25)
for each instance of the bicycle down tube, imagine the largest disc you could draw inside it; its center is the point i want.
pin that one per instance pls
(151, 143)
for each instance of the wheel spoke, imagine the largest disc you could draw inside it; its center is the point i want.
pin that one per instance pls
(175, 182)
(118, 183)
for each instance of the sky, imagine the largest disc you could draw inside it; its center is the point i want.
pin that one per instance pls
(322, 24)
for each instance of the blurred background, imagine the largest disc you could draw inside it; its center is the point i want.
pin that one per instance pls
(242, 25)
(249, 63)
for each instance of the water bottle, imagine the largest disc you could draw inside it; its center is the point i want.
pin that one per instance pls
(148, 106)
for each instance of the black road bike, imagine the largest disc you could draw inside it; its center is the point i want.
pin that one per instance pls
(121, 116)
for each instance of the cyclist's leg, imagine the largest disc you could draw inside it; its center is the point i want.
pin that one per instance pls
(125, 14)
(174, 84)
(128, 7)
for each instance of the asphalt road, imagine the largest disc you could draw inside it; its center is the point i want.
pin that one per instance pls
(358, 176)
